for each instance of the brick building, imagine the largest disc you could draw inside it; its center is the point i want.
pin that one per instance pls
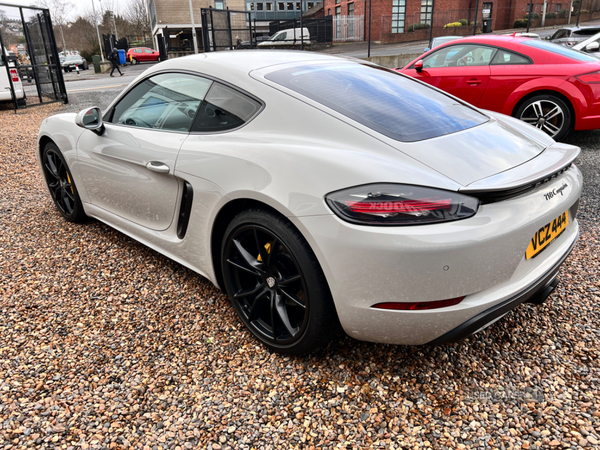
(396, 20)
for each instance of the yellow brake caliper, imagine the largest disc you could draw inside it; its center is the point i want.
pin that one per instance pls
(69, 178)
(268, 248)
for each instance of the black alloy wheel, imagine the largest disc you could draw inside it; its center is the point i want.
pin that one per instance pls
(275, 283)
(61, 185)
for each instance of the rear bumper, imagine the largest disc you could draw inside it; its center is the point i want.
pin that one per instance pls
(536, 293)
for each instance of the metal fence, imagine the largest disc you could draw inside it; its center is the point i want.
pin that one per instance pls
(36, 57)
(348, 29)
(225, 29)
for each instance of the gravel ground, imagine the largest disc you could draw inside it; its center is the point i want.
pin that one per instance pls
(107, 344)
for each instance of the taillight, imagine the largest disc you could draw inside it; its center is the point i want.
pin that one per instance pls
(418, 306)
(400, 204)
(14, 75)
(593, 77)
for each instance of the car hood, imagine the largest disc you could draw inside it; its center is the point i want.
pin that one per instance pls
(480, 152)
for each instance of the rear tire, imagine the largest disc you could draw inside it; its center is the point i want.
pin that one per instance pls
(276, 284)
(548, 113)
(134, 61)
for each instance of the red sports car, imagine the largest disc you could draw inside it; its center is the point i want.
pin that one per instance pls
(141, 54)
(552, 87)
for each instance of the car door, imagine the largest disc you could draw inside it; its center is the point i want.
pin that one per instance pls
(461, 70)
(508, 71)
(149, 55)
(128, 170)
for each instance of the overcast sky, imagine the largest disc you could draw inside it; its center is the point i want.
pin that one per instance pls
(79, 6)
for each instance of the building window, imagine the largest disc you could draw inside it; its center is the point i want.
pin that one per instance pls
(557, 7)
(290, 6)
(298, 6)
(219, 4)
(269, 6)
(337, 2)
(311, 5)
(398, 15)
(350, 19)
(281, 6)
(426, 9)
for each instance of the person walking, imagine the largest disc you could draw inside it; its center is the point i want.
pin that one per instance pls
(113, 57)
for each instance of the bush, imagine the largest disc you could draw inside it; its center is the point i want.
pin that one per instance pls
(463, 22)
(563, 13)
(551, 15)
(418, 26)
(534, 16)
(453, 24)
(520, 23)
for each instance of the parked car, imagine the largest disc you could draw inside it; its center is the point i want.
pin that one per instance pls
(591, 45)
(524, 34)
(5, 81)
(406, 214)
(74, 62)
(546, 85)
(573, 35)
(437, 41)
(290, 36)
(142, 54)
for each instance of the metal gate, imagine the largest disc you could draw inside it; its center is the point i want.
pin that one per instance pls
(226, 29)
(38, 64)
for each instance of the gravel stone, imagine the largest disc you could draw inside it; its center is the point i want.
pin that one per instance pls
(105, 344)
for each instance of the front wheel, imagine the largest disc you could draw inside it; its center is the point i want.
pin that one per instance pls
(276, 284)
(61, 184)
(547, 113)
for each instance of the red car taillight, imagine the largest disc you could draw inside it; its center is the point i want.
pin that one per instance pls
(419, 306)
(400, 204)
(593, 77)
(14, 75)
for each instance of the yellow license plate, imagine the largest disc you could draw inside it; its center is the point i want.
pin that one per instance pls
(542, 238)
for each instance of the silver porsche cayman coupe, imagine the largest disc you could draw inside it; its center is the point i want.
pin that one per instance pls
(319, 191)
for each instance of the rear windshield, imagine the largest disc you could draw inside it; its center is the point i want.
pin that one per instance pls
(587, 31)
(559, 50)
(385, 101)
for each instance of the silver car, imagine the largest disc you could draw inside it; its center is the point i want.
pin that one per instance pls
(591, 45)
(572, 36)
(318, 191)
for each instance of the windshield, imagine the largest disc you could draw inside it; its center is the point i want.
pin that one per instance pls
(385, 101)
(73, 58)
(559, 50)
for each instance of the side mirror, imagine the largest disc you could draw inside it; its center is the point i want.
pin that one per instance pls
(592, 47)
(426, 49)
(548, 38)
(419, 66)
(90, 119)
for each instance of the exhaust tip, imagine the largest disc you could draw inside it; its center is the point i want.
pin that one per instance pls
(543, 294)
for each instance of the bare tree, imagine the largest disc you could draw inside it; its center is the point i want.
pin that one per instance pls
(59, 13)
(137, 15)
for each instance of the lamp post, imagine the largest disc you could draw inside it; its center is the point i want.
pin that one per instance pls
(97, 31)
(193, 28)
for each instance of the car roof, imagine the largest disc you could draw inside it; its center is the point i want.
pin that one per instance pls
(243, 62)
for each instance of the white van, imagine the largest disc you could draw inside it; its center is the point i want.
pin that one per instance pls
(5, 95)
(293, 36)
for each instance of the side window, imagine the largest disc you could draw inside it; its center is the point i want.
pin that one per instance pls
(560, 34)
(459, 55)
(224, 109)
(281, 37)
(147, 50)
(137, 50)
(505, 57)
(166, 102)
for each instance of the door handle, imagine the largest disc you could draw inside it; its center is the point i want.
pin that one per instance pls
(474, 81)
(157, 166)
